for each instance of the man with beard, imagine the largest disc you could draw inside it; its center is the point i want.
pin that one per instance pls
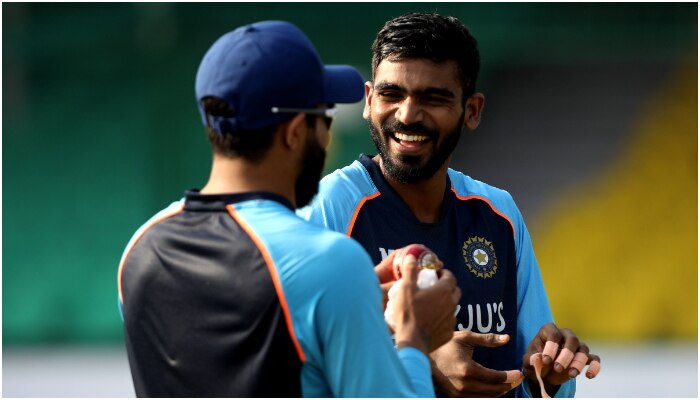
(423, 95)
(227, 293)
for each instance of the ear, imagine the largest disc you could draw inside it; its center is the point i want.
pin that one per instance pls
(369, 89)
(294, 132)
(472, 110)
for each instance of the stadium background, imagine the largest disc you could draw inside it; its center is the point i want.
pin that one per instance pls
(590, 123)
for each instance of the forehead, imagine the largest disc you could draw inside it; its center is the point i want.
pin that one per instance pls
(419, 74)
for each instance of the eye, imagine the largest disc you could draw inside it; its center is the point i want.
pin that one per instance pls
(436, 100)
(390, 96)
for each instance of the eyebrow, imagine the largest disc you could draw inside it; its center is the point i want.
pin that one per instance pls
(427, 91)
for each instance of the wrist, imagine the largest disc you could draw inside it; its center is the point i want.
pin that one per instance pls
(416, 344)
(410, 335)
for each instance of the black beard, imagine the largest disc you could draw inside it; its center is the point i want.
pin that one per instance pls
(408, 169)
(313, 160)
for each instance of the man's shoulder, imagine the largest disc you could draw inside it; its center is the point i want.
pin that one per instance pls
(152, 224)
(351, 180)
(317, 242)
(465, 186)
(320, 254)
(339, 194)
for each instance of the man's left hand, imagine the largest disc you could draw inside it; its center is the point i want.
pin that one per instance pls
(563, 358)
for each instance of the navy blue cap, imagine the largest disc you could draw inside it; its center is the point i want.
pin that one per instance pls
(270, 64)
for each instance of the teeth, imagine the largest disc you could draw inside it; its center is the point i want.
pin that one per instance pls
(410, 138)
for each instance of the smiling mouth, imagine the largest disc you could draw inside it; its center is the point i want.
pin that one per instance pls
(402, 137)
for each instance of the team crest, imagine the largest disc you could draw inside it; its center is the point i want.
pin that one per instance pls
(480, 257)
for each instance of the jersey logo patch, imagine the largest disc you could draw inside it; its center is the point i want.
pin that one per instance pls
(480, 257)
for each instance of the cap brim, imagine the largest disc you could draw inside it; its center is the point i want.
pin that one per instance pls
(344, 84)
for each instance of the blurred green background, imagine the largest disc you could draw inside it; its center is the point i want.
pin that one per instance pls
(590, 122)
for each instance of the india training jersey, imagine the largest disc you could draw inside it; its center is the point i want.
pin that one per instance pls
(236, 296)
(481, 238)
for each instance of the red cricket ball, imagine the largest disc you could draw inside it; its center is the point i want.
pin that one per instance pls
(424, 257)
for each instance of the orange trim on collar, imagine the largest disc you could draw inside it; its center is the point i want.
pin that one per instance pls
(484, 199)
(357, 211)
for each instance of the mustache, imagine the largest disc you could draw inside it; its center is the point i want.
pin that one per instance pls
(416, 127)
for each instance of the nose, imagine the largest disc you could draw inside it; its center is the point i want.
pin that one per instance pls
(409, 111)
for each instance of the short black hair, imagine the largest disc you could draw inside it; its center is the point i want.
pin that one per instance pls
(430, 36)
(251, 145)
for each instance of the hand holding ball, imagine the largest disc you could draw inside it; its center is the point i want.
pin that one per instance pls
(426, 259)
(428, 265)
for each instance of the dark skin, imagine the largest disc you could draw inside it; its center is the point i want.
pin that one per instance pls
(554, 373)
(421, 91)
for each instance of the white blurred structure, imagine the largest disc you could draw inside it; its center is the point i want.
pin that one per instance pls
(628, 370)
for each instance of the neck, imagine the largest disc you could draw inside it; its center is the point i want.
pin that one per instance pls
(236, 175)
(423, 198)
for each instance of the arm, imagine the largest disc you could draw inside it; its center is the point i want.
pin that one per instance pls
(359, 350)
(533, 312)
(358, 354)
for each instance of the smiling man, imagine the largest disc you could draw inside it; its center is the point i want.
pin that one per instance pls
(422, 97)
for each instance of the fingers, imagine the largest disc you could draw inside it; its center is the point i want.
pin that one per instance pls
(550, 351)
(456, 295)
(579, 361)
(556, 355)
(384, 269)
(593, 367)
(438, 305)
(386, 287)
(500, 381)
(480, 373)
(549, 331)
(566, 355)
(409, 269)
(514, 378)
(445, 277)
(551, 337)
(474, 388)
(481, 339)
(577, 364)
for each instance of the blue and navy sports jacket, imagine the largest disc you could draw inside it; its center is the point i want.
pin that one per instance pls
(236, 296)
(481, 237)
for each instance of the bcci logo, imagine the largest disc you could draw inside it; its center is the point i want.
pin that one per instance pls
(480, 257)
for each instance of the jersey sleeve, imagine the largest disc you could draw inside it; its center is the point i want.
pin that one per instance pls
(533, 308)
(357, 352)
(339, 196)
(533, 305)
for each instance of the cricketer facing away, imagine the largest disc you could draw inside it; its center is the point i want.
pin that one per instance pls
(422, 96)
(228, 293)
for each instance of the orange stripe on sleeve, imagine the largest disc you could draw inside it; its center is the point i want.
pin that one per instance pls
(484, 199)
(128, 251)
(273, 273)
(357, 211)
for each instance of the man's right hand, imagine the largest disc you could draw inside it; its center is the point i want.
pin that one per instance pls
(456, 374)
(424, 318)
